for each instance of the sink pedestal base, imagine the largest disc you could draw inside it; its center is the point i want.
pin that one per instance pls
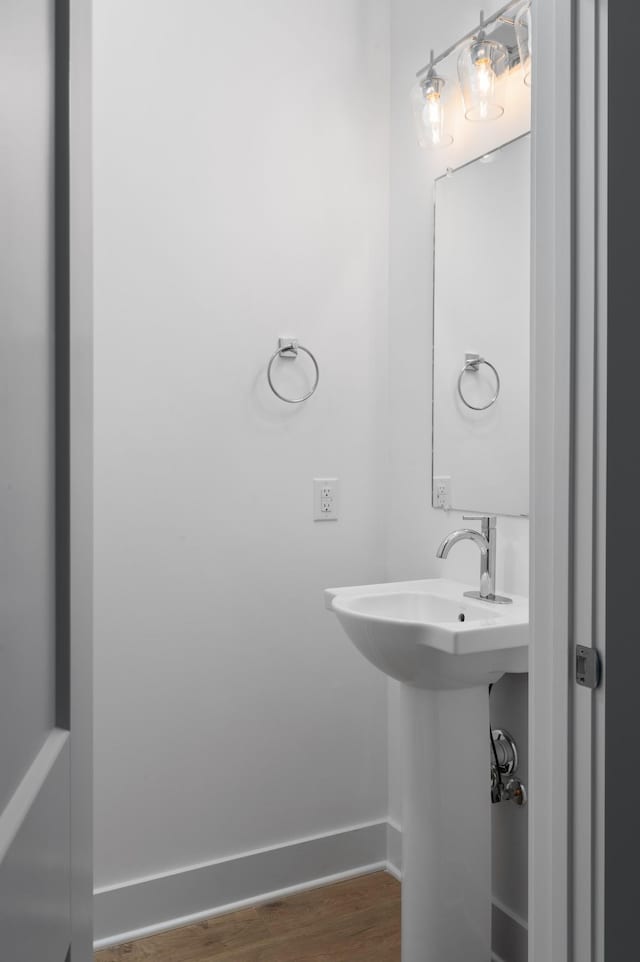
(446, 890)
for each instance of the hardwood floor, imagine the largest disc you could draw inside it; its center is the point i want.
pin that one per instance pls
(353, 921)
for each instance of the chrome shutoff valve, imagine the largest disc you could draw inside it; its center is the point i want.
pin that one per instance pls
(505, 784)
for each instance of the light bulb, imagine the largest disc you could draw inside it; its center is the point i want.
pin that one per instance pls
(429, 112)
(484, 80)
(478, 66)
(485, 75)
(432, 117)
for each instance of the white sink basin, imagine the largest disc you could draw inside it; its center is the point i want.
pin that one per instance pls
(446, 649)
(428, 635)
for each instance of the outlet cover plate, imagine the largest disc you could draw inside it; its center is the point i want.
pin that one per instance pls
(442, 492)
(326, 499)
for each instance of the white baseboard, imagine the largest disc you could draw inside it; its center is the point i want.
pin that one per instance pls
(146, 906)
(394, 849)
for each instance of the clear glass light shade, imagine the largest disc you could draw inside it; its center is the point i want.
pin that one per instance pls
(429, 113)
(522, 24)
(479, 66)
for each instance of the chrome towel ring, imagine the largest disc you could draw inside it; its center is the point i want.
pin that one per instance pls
(288, 348)
(472, 362)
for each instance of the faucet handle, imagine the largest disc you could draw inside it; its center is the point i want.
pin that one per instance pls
(487, 519)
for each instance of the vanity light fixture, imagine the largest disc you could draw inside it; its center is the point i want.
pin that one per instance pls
(496, 46)
(479, 64)
(429, 111)
(522, 25)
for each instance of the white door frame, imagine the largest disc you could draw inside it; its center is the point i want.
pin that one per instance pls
(80, 480)
(567, 481)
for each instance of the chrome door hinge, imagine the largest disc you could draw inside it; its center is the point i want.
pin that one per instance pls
(588, 667)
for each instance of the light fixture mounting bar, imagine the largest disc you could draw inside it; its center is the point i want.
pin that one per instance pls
(484, 22)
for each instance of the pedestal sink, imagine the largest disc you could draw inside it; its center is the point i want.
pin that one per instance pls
(445, 650)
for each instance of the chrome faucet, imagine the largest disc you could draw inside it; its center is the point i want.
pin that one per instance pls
(486, 542)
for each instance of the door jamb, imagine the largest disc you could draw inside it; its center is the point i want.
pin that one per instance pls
(567, 481)
(80, 359)
(551, 475)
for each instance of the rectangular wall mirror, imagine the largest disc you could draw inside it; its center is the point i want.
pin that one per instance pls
(481, 323)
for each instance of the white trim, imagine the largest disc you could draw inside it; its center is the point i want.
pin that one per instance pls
(236, 906)
(589, 501)
(81, 472)
(372, 847)
(393, 870)
(229, 859)
(551, 478)
(394, 849)
(156, 903)
(567, 573)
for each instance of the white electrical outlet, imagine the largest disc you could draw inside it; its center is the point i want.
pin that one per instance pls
(442, 492)
(326, 493)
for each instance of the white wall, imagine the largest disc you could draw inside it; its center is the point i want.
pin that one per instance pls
(415, 528)
(242, 192)
(241, 189)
